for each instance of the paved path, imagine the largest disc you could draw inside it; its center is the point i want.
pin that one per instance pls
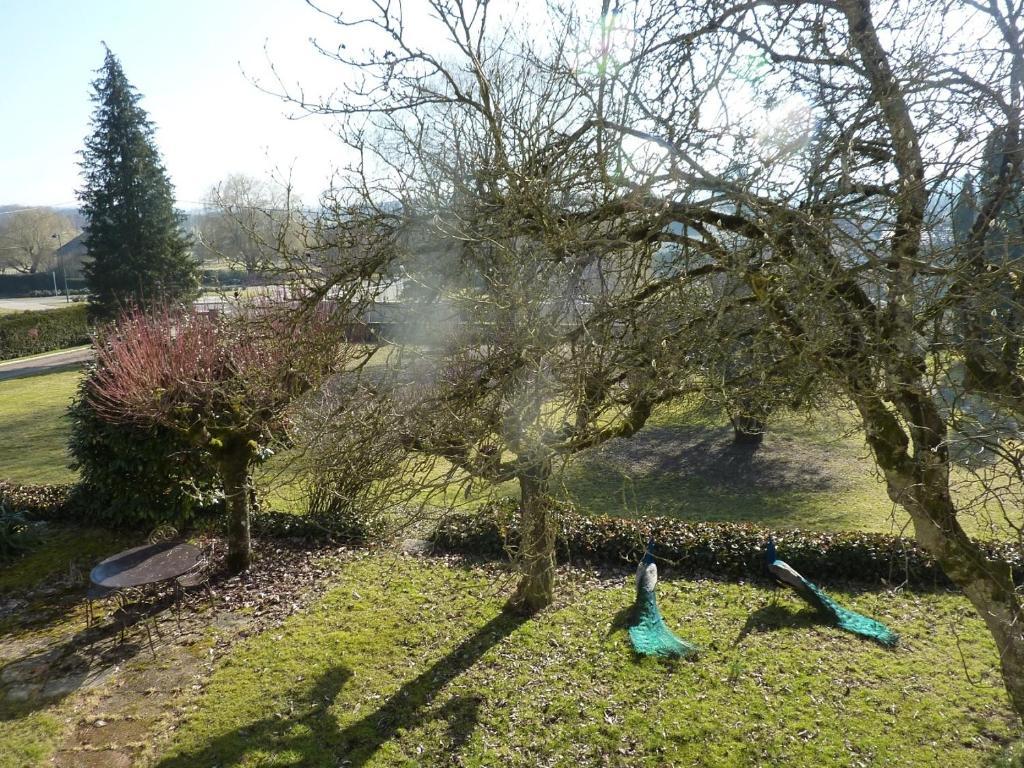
(34, 304)
(49, 363)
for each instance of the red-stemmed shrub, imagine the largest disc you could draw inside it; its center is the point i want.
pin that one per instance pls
(226, 383)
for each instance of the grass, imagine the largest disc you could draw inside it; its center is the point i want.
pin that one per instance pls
(35, 427)
(413, 663)
(28, 735)
(809, 473)
(28, 740)
(812, 471)
(60, 550)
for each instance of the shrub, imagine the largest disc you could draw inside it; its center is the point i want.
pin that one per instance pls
(728, 550)
(31, 333)
(16, 534)
(334, 508)
(135, 476)
(40, 502)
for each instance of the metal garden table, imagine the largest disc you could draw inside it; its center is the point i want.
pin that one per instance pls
(139, 567)
(148, 564)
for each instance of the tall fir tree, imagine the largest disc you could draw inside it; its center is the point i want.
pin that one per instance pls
(139, 253)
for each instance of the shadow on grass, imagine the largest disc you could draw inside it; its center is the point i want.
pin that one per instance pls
(45, 675)
(620, 621)
(773, 617)
(311, 734)
(709, 455)
(697, 472)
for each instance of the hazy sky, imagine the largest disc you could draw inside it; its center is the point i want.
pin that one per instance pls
(187, 58)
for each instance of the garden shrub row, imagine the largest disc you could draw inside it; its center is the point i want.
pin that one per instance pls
(70, 503)
(726, 550)
(38, 284)
(31, 333)
(41, 502)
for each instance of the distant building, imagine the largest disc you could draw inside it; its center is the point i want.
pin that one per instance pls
(70, 255)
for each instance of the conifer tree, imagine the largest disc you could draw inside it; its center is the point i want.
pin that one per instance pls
(138, 251)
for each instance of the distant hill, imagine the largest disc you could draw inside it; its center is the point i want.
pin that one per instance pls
(76, 217)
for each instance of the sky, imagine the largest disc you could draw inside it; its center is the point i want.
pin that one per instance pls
(190, 60)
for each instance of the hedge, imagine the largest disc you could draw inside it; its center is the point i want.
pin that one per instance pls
(726, 550)
(31, 333)
(42, 502)
(38, 284)
(64, 503)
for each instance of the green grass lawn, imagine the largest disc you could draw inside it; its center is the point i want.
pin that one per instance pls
(34, 427)
(812, 471)
(412, 663)
(809, 473)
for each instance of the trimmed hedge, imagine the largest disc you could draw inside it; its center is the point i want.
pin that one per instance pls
(42, 502)
(38, 284)
(64, 502)
(31, 333)
(727, 550)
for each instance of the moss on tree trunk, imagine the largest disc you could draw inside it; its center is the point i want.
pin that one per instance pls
(536, 587)
(234, 471)
(919, 482)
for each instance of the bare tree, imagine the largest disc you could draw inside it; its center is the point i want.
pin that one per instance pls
(535, 320)
(581, 199)
(249, 222)
(29, 238)
(813, 148)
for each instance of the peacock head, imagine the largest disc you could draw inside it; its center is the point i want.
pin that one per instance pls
(649, 553)
(769, 552)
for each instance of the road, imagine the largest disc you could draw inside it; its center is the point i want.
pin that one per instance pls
(34, 304)
(49, 363)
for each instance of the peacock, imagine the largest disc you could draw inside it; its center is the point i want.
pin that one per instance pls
(849, 620)
(647, 630)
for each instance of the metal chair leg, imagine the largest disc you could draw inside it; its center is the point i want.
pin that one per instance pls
(150, 636)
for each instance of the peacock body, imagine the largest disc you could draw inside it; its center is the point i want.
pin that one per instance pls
(849, 620)
(647, 630)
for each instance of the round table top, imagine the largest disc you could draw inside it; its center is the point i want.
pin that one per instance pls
(147, 564)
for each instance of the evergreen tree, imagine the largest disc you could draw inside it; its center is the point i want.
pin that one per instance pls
(138, 251)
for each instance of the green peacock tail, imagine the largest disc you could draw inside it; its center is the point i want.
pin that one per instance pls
(852, 621)
(648, 633)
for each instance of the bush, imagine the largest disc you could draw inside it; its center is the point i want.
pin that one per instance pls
(38, 284)
(31, 333)
(16, 534)
(337, 508)
(137, 477)
(40, 502)
(727, 550)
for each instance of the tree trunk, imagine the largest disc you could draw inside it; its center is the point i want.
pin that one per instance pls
(920, 484)
(536, 587)
(748, 430)
(234, 472)
(988, 584)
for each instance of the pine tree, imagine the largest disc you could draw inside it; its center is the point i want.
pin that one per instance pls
(138, 251)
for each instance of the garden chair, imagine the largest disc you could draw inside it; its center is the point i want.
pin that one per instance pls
(130, 612)
(197, 577)
(93, 593)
